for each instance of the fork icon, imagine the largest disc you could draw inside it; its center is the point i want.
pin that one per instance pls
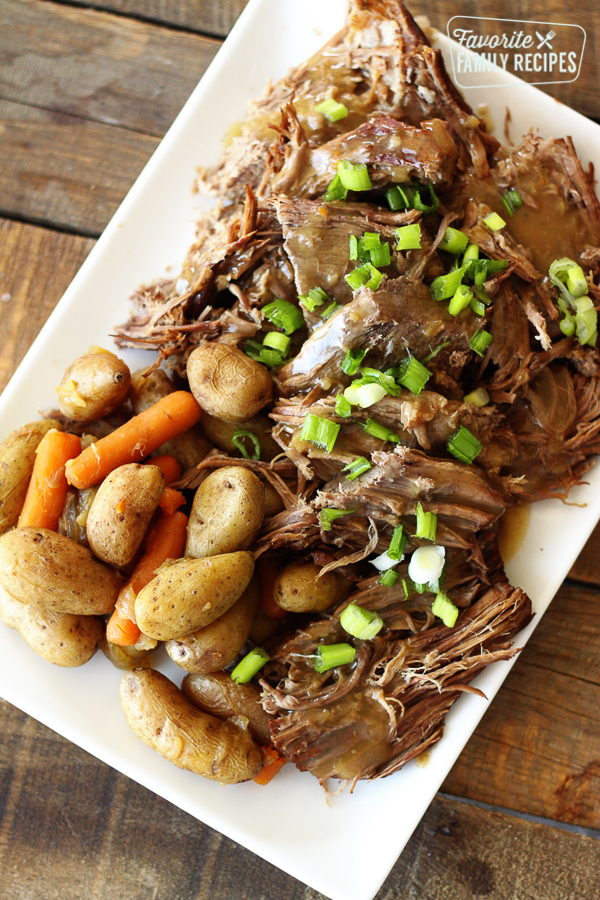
(543, 41)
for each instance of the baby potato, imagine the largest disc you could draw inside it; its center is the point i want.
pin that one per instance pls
(227, 513)
(218, 644)
(228, 384)
(121, 511)
(53, 573)
(188, 448)
(220, 696)
(60, 638)
(298, 589)
(17, 455)
(162, 716)
(125, 657)
(221, 434)
(192, 593)
(95, 385)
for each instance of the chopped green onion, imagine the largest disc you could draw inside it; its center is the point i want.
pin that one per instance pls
(277, 341)
(284, 315)
(315, 297)
(398, 543)
(396, 198)
(331, 655)
(357, 467)
(472, 252)
(435, 352)
(512, 201)
(320, 432)
(479, 397)
(461, 299)
(380, 431)
(444, 609)
(418, 201)
(247, 668)
(360, 623)
(494, 222)
(413, 375)
(375, 279)
(445, 286)
(385, 379)
(342, 406)
(567, 325)
(426, 524)
(464, 445)
(454, 241)
(238, 443)
(366, 275)
(381, 256)
(327, 516)
(332, 110)
(586, 321)
(330, 310)
(353, 252)
(481, 295)
(480, 342)
(354, 177)
(335, 191)
(407, 587)
(415, 196)
(369, 241)
(477, 306)
(364, 395)
(409, 237)
(576, 283)
(389, 578)
(352, 361)
(265, 355)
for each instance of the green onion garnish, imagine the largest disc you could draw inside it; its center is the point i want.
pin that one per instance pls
(238, 442)
(356, 468)
(494, 222)
(320, 432)
(369, 241)
(435, 352)
(327, 516)
(360, 623)
(413, 375)
(409, 237)
(445, 286)
(315, 297)
(353, 251)
(586, 321)
(472, 252)
(284, 315)
(332, 110)
(481, 295)
(381, 256)
(444, 609)
(464, 445)
(567, 325)
(396, 198)
(335, 191)
(480, 341)
(352, 361)
(354, 177)
(426, 524)
(277, 341)
(398, 543)
(366, 275)
(477, 306)
(330, 310)
(331, 655)
(380, 431)
(342, 406)
(576, 283)
(389, 578)
(364, 394)
(479, 397)
(454, 241)
(422, 202)
(512, 201)
(265, 355)
(247, 668)
(385, 379)
(461, 299)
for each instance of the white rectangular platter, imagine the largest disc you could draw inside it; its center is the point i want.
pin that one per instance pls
(290, 822)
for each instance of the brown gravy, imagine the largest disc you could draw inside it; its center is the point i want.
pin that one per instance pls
(513, 528)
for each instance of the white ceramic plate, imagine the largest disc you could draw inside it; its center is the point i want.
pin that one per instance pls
(290, 823)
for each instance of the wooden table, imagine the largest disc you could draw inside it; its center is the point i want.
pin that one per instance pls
(87, 89)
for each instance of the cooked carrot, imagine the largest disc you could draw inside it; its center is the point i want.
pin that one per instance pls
(48, 486)
(168, 465)
(136, 439)
(167, 541)
(171, 500)
(268, 570)
(273, 764)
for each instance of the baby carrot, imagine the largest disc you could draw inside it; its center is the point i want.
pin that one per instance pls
(171, 500)
(48, 486)
(168, 465)
(122, 631)
(273, 764)
(136, 439)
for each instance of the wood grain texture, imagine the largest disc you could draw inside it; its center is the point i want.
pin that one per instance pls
(101, 67)
(214, 17)
(72, 828)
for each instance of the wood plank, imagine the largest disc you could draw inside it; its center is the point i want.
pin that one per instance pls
(587, 565)
(102, 67)
(65, 170)
(36, 267)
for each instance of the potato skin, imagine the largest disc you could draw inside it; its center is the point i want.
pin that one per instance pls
(17, 456)
(218, 644)
(121, 511)
(227, 513)
(51, 572)
(228, 384)
(192, 593)
(218, 695)
(221, 434)
(162, 716)
(60, 638)
(95, 385)
(298, 589)
(188, 448)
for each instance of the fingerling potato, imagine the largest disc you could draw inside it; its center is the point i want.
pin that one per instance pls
(60, 638)
(121, 511)
(51, 572)
(220, 696)
(227, 513)
(17, 456)
(94, 386)
(228, 384)
(192, 593)
(298, 588)
(162, 716)
(216, 645)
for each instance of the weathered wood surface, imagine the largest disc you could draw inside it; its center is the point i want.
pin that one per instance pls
(214, 17)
